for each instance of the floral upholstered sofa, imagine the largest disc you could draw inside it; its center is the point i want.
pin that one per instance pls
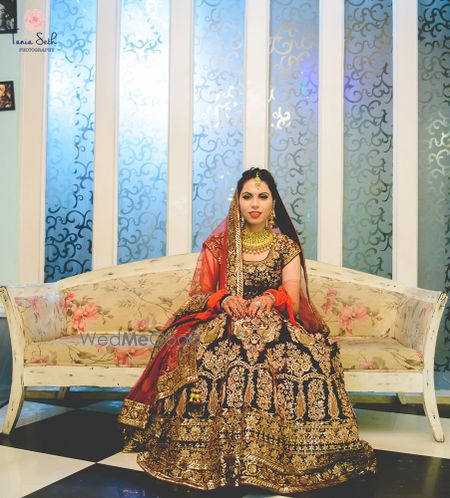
(98, 328)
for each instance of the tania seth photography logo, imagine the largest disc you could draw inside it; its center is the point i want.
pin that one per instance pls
(39, 43)
(34, 38)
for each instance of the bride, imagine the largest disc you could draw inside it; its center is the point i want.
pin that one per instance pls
(244, 386)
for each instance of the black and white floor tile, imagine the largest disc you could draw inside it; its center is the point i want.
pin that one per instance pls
(62, 449)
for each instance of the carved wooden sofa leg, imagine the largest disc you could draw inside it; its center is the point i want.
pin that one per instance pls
(16, 398)
(430, 405)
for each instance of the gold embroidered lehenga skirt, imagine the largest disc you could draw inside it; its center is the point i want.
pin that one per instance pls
(273, 413)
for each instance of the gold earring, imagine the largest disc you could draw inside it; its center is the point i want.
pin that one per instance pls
(272, 217)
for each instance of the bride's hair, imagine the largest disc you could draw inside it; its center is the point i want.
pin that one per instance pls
(282, 217)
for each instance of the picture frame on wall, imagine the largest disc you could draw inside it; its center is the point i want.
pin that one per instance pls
(7, 101)
(8, 16)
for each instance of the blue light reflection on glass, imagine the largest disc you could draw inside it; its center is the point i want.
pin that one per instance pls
(143, 133)
(368, 134)
(218, 111)
(293, 107)
(434, 165)
(70, 140)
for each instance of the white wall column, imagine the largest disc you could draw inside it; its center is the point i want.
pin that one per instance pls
(257, 75)
(179, 186)
(32, 153)
(107, 81)
(331, 131)
(405, 143)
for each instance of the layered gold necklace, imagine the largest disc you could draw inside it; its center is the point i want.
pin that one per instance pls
(256, 242)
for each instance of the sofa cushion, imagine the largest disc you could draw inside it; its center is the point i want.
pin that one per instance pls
(377, 353)
(353, 309)
(357, 353)
(94, 349)
(140, 302)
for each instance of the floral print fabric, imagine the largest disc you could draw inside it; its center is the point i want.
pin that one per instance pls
(376, 327)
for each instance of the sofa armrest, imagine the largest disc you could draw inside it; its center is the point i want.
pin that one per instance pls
(34, 312)
(418, 318)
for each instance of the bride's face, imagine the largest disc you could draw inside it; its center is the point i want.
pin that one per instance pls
(255, 204)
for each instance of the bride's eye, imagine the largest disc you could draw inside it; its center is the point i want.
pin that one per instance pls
(246, 197)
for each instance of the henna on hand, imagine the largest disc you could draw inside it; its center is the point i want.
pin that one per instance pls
(235, 306)
(260, 306)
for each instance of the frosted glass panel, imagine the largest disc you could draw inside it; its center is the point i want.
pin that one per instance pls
(70, 140)
(218, 111)
(434, 162)
(144, 66)
(294, 58)
(367, 237)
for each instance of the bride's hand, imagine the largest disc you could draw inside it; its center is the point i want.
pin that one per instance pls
(260, 305)
(235, 306)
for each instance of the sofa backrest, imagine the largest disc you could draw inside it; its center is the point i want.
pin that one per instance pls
(138, 296)
(354, 309)
(142, 296)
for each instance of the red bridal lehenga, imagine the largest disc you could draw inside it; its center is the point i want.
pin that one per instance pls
(259, 402)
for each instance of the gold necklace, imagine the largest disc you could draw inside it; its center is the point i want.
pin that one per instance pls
(256, 242)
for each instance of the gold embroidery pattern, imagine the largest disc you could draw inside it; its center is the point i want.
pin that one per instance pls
(134, 413)
(214, 244)
(296, 361)
(194, 304)
(333, 408)
(212, 329)
(266, 274)
(347, 408)
(217, 359)
(264, 390)
(316, 400)
(275, 357)
(235, 387)
(213, 403)
(320, 352)
(254, 333)
(301, 405)
(299, 334)
(184, 373)
(284, 398)
(274, 412)
(181, 406)
(289, 249)
(234, 250)
(201, 386)
(283, 457)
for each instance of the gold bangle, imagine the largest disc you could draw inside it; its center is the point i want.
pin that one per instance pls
(223, 300)
(271, 295)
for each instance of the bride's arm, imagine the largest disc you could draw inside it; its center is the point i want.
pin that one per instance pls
(292, 278)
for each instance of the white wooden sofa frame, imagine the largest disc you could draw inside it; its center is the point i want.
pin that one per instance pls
(368, 381)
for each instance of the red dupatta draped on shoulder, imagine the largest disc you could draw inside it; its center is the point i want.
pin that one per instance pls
(220, 260)
(173, 356)
(219, 271)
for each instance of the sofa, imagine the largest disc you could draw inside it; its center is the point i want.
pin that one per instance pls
(98, 328)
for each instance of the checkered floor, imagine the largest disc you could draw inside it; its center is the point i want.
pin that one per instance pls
(62, 450)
